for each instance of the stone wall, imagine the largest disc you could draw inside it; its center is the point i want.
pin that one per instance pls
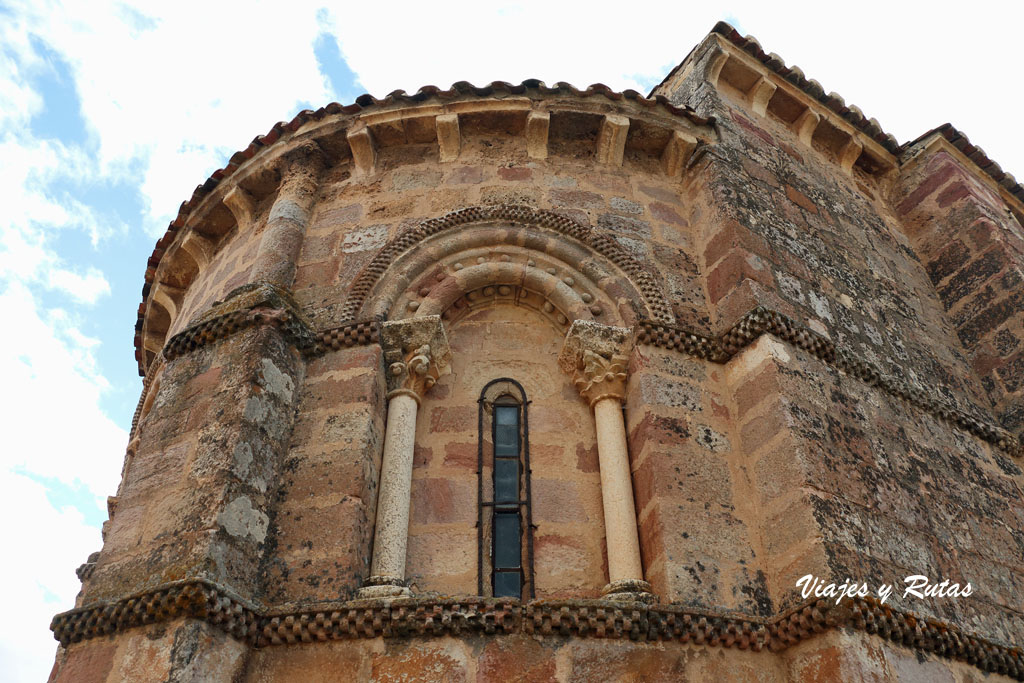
(818, 358)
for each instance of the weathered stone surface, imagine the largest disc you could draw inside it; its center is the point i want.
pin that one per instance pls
(798, 348)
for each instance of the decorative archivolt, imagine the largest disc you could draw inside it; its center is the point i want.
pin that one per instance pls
(515, 254)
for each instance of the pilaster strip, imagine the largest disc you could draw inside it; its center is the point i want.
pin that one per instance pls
(580, 618)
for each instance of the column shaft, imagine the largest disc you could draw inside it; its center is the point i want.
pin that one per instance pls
(289, 217)
(392, 526)
(617, 493)
(597, 358)
(416, 353)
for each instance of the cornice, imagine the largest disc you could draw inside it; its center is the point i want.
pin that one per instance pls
(427, 617)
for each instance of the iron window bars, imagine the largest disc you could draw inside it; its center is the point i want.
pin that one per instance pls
(506, 512)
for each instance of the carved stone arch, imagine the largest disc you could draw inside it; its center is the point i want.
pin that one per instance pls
(520, 254)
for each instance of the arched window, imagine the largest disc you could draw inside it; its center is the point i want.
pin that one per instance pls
(505, 519)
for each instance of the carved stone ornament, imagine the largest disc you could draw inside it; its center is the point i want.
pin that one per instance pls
(596, 356)
(416, 354)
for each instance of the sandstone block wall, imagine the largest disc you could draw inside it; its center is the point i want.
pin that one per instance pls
(823, 379)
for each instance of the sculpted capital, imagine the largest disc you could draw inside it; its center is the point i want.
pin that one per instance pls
(416, 354)
(596, 356)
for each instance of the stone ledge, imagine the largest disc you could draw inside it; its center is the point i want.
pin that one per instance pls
(581, 618)
(254, 304)
(760, 320)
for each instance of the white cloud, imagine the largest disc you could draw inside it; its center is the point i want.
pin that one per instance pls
(43, 546)
(180, 86)
(85, 288)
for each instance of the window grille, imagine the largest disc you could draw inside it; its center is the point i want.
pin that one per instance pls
(504, 514)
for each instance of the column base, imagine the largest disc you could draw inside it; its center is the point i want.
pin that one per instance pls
(629, 590)
(384, 587)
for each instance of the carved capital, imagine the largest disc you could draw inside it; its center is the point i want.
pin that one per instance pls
(596, 356)
(416, 354)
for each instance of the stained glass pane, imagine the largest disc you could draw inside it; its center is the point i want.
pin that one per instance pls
(506, 415)
(506, 430)
(506, 540)
(506, 480)
(506, 585)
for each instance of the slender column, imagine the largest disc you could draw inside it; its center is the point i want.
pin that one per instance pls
(289, 217)
(415, 354)
(596, 356)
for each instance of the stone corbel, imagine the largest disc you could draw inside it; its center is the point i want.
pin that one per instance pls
(449, 137)
(537, 126)
(716, 59)
(849, 153)
(611, 139)
(805, 126)
(242, 206)
(677, 152)
(364, 149)
(760, 94)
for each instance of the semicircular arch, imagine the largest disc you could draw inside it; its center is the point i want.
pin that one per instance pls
(524, 255)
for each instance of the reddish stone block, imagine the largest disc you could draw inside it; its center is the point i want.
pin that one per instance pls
(576, 199)
(926, 188)
(453, 419)
(749, 125)
(465, 175)
(800, 199)
(738, 265)
(764, 427)
(759, 172)
(517, 660)
(954, 192)
(664, 194)
(665, 213)
(85, 662)
(515, 173)
(203, 383)
(461, 455)
(409, 661)
(754, 390)
(586, 458)
(421, 456)
(337, 216)
(557, 501)
(364, 388)
(652, 533)
(310, 274)
(443, 501)
(660, 430)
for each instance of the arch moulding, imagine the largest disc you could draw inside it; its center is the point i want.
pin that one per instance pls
(506, 254)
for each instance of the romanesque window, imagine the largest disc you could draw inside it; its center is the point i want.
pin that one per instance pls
(505, 521)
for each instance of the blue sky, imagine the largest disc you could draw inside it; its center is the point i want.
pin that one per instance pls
(112, 112)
